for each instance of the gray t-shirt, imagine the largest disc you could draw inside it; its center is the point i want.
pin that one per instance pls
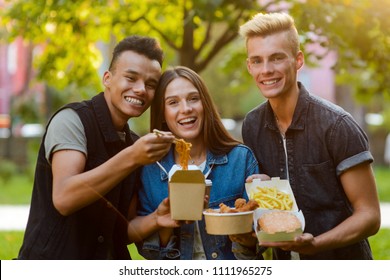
(65, 132)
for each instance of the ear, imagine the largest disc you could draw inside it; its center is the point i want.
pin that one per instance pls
(106, 78)
(300, 60)
(248, 66)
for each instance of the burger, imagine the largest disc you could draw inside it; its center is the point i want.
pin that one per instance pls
(278, 221)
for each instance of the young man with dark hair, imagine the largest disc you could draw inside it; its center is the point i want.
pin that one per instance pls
(87, 168)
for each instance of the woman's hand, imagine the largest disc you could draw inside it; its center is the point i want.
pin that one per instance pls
(163, 213)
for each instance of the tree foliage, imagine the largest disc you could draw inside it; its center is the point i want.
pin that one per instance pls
(200, 34)
(195, 31)
(359, 31)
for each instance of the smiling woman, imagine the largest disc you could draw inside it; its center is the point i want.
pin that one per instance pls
(179, 106)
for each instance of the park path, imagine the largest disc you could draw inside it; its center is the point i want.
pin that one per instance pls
(14, 217)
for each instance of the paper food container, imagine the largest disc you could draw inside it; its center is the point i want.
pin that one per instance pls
(283, 186)
(186, 193)
(209, 184)
(228, 223)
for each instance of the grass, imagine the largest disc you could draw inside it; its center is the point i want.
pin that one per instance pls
(380, 244)
(10, 242)
(382, 176)
(18, 191)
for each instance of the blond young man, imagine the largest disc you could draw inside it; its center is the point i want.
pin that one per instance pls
(313, 143)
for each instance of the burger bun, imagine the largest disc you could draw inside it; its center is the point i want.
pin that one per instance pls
(278, 221)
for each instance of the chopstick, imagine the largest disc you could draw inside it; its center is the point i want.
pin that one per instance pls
(160, 133)
(162, 168)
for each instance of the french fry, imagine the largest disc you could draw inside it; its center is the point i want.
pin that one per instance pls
(271, 198)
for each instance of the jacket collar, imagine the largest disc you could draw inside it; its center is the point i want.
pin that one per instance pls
(300, 112)
(211, 160)
(104, 119)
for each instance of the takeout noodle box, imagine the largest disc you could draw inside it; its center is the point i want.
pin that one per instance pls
(228, 223)
(279, 236)
(186, 193)
(281, 185)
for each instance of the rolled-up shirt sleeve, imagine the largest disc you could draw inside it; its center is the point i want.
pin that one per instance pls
(349, 144)
(65, 132)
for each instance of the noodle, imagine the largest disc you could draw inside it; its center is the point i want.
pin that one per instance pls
(183, 148)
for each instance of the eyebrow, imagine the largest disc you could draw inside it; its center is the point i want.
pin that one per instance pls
(189, 94)
(273, 54)
(129, 71)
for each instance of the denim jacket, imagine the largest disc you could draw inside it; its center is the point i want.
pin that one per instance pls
(228, 175)
(323, 141)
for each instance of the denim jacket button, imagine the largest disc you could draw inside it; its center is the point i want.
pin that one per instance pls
(100, 239)
(214, 255)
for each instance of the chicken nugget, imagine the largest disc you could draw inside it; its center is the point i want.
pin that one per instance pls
(240, 202)
(249, 206)
(226, 209)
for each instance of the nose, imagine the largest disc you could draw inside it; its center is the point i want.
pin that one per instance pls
(139, 87)
(185, 107)
(267, 67)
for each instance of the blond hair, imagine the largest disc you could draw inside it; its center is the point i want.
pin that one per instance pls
(262, 25)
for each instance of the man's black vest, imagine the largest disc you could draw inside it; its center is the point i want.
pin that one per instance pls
(98, 231)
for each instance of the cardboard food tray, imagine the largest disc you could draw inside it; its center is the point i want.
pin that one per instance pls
(281, 185)
(228, 223)
(284, 186)
(186, 193)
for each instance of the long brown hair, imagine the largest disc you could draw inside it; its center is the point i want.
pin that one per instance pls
(217, 139)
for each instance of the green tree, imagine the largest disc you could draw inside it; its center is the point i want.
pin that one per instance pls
(359, 31)
(200, 34)
(195, 31)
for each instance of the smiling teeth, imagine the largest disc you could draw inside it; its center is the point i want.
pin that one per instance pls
(269, 82)
(187, 120)
(133, 100)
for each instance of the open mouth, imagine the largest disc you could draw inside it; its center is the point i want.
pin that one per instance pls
(134, 101)
(270, 82)
(187, 121)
